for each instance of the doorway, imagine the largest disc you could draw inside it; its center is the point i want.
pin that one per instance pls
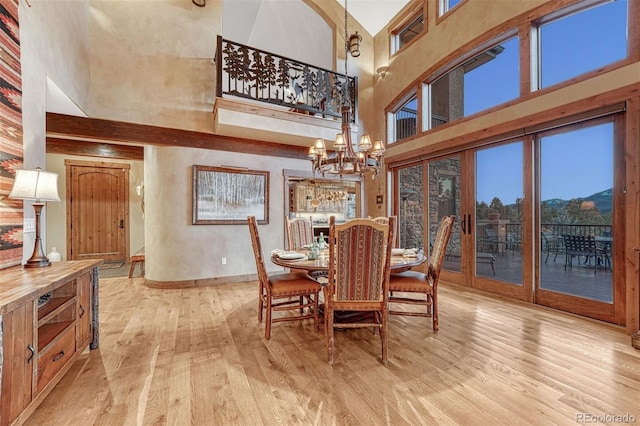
(97, 211)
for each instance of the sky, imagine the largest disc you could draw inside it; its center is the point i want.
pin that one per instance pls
(574, 164)
(590, 169)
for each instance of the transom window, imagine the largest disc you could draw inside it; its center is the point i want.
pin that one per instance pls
(576, 42)
(404, 119)
(407, 31)
(447, 5)
(567, 43)
(486, 80)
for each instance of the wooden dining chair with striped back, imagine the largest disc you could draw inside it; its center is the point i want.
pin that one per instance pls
(417, 288)
(359, 268)
(385, 219)
(299, 232)
(291, 291)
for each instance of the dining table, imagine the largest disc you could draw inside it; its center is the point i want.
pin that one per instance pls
(318, 268)
(400, 262)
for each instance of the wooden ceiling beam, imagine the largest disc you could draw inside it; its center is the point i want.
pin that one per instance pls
(94, 149)
(94, 130)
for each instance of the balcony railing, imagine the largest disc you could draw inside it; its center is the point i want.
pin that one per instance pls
(250, 73)
(406, 121)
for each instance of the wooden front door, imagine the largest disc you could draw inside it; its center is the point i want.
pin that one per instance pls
(97, 210)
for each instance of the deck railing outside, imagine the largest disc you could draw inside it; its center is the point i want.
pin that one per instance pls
(511, 234)
(254, 74)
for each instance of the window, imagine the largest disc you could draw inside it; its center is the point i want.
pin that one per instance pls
(447, 5)
(582, 41)
(404, 119)
(407, 31)
(486, 80)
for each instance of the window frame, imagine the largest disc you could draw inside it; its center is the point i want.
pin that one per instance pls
(443, 9)
(458, 62)
(405, 23)
(557, 15)
(398, 105)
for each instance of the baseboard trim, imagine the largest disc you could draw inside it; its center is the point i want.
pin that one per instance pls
(204, 282)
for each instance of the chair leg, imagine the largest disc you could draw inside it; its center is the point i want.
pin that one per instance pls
(267, 325)
(330, 336)
(260, 303)
(383, 335)
(316, 323)
(434, 303)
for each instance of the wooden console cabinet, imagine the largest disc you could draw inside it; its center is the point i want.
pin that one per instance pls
(40, 337)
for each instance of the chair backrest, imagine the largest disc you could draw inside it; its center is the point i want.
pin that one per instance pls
(359, 260)
(257, 250)
(439, 247)
(299, 232)
(385, 220)
(491, 233)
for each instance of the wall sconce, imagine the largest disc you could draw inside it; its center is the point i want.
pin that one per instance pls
(382, 71)
(354, 44)
(39, 186)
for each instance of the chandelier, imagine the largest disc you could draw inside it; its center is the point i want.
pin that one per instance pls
(345, 160)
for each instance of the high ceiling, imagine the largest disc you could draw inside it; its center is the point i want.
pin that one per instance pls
(373, 15)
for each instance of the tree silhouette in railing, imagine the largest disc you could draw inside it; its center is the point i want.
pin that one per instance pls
(259, 75)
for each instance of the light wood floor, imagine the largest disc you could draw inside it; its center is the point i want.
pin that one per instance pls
(197, 356)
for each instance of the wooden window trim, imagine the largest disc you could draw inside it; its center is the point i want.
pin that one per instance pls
(407, 17)
(440, 18)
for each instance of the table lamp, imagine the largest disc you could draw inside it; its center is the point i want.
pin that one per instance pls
(38, 186)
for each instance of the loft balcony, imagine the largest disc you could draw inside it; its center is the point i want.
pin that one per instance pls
(264, 96)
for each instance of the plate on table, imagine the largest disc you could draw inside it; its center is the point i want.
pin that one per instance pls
(292, 255)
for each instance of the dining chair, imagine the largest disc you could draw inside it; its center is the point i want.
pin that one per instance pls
(359, 267)
(385, 220)
(291, 291)
(418, 288)
(299, 232)
(584, 245)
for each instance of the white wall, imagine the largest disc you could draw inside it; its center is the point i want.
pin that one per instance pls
(151, 62)
(64, 58)
(176, 250)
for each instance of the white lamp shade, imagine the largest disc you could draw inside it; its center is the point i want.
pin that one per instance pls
(319, 147)
(340, 144)
(365, 143)
(35, 185)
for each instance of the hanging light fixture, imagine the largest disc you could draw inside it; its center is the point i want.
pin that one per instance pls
(345, 160)
(354, 44)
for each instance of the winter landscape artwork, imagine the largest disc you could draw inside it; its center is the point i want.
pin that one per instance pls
(226, 196)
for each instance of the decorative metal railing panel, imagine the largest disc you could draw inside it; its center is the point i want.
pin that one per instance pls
(254, 74)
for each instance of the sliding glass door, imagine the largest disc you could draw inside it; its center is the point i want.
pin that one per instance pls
(575, 213)
(535, 216)
(499, 219)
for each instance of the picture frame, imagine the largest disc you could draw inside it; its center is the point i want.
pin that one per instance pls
(227, 195)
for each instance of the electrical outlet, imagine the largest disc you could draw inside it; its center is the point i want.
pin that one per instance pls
(224, 260)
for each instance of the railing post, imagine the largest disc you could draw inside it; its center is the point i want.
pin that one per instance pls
(219, 67)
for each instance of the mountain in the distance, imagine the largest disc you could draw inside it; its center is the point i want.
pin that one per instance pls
(602, 201)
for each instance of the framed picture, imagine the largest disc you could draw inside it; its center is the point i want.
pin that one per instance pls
(226, 196)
